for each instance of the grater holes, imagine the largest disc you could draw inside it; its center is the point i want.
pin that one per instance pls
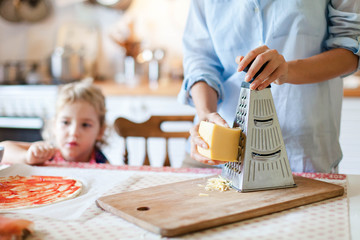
(265, 139)
(266, 157)
(257, 118)
(263, 123)
(263, 108)
(239, 153)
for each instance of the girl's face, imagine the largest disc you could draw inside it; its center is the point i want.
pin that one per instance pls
(77, 127)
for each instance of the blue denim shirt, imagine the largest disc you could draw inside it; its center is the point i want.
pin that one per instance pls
(219, 30)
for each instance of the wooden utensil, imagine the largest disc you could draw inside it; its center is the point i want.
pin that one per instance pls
(179, 208)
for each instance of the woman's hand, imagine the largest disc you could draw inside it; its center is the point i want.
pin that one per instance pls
(275, 71)
(39, 152)
(196, 140)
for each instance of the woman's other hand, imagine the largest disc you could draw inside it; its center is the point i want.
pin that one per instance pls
(276, 71)
(196, 139)
(39, 152)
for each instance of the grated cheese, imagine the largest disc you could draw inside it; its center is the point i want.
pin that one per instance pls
(218, 183)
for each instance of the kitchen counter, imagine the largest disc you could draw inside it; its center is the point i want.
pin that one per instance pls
(165, 88)
(80, 218)
(352, 92)
(169, 88)
(352, 85)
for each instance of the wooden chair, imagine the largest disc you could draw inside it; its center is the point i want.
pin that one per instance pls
(151, 128)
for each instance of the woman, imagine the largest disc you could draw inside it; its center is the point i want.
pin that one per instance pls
(308, 45)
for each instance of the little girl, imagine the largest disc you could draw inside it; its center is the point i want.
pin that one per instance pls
(78, 130)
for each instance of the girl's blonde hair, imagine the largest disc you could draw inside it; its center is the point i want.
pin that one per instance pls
(83, 91)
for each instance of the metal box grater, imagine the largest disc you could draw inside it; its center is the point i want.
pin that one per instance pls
(263, 162)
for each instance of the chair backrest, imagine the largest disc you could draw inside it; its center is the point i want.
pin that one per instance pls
(151, 128)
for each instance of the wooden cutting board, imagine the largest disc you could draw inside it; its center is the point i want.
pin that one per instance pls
(178, 208)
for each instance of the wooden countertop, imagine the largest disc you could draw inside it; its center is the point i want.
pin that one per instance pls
(352, 80)
(352, 92)
(170, 88)
(165, 88)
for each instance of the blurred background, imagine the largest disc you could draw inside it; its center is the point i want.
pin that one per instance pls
(42, 36)
(130, 48)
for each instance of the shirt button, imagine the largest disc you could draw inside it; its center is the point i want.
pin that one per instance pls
(256, 9)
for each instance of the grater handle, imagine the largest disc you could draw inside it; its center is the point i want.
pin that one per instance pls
(246, 69)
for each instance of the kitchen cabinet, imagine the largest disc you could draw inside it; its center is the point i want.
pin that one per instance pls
(166, 87)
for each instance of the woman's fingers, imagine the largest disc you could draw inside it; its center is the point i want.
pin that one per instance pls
(273, 60)
(196, 139)
(217, 119)
(275, 70)
(259, 61)
(238, 60)
(275, 77)
(250, 57)
(200, 158)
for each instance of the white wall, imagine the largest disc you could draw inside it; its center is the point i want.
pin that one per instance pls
(350, 136)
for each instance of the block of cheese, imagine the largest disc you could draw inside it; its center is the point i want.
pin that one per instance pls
(223, 142)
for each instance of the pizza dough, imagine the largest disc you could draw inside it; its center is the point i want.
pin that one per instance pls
(19, 192)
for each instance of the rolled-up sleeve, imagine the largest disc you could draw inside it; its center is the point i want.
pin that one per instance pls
(344, 25)
(200, 60)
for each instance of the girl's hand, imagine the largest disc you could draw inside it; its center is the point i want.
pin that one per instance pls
(196, 140)
(275, 71)
(39, 152)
